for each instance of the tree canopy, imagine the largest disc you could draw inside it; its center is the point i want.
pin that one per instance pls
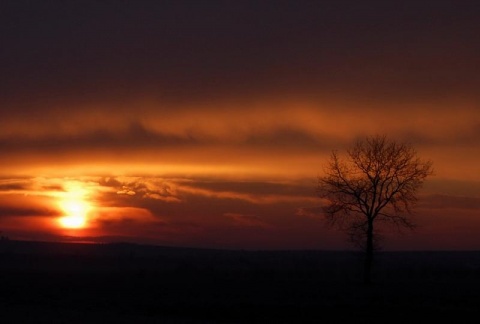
(377, 181)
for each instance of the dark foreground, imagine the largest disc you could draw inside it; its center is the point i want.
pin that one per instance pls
(123, 283)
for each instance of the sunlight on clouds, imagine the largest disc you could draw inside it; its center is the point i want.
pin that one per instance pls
(228, 121)
(126, 191)
(263, 137)
(171, 209)
(107, 216)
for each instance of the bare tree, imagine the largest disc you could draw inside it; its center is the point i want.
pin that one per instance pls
(377, 182)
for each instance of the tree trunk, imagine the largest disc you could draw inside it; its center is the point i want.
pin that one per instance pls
(367, 271)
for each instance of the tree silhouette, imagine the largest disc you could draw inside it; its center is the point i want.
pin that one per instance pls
(377, 182)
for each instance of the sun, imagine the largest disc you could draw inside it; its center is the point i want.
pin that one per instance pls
(76, 213)
(75, 207)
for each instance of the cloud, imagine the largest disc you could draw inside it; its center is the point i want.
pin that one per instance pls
(126, 191)
(123, 216)
(179, 190)
(248, 197)
(17, 211)
(247, 220)
(267, 137)
(148, 188)
(441, 201)
(12, 185)
(310, 212)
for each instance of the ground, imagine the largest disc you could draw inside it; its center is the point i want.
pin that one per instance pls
(125, 283)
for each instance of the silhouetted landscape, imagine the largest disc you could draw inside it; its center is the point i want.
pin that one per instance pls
(91, 283)
(239, 161)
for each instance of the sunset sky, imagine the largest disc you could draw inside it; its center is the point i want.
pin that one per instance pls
(207, 123)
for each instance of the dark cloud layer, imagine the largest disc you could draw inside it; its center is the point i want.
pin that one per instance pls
(136, 136)
(25, 211)
(182, 50)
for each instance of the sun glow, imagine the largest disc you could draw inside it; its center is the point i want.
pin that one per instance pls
(76, 214)
(75, 207)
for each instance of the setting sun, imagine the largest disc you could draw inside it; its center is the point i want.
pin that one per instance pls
(74, 206)
(76, 214)
(73, 221)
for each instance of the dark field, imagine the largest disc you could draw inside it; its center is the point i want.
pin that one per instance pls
(125, 283)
